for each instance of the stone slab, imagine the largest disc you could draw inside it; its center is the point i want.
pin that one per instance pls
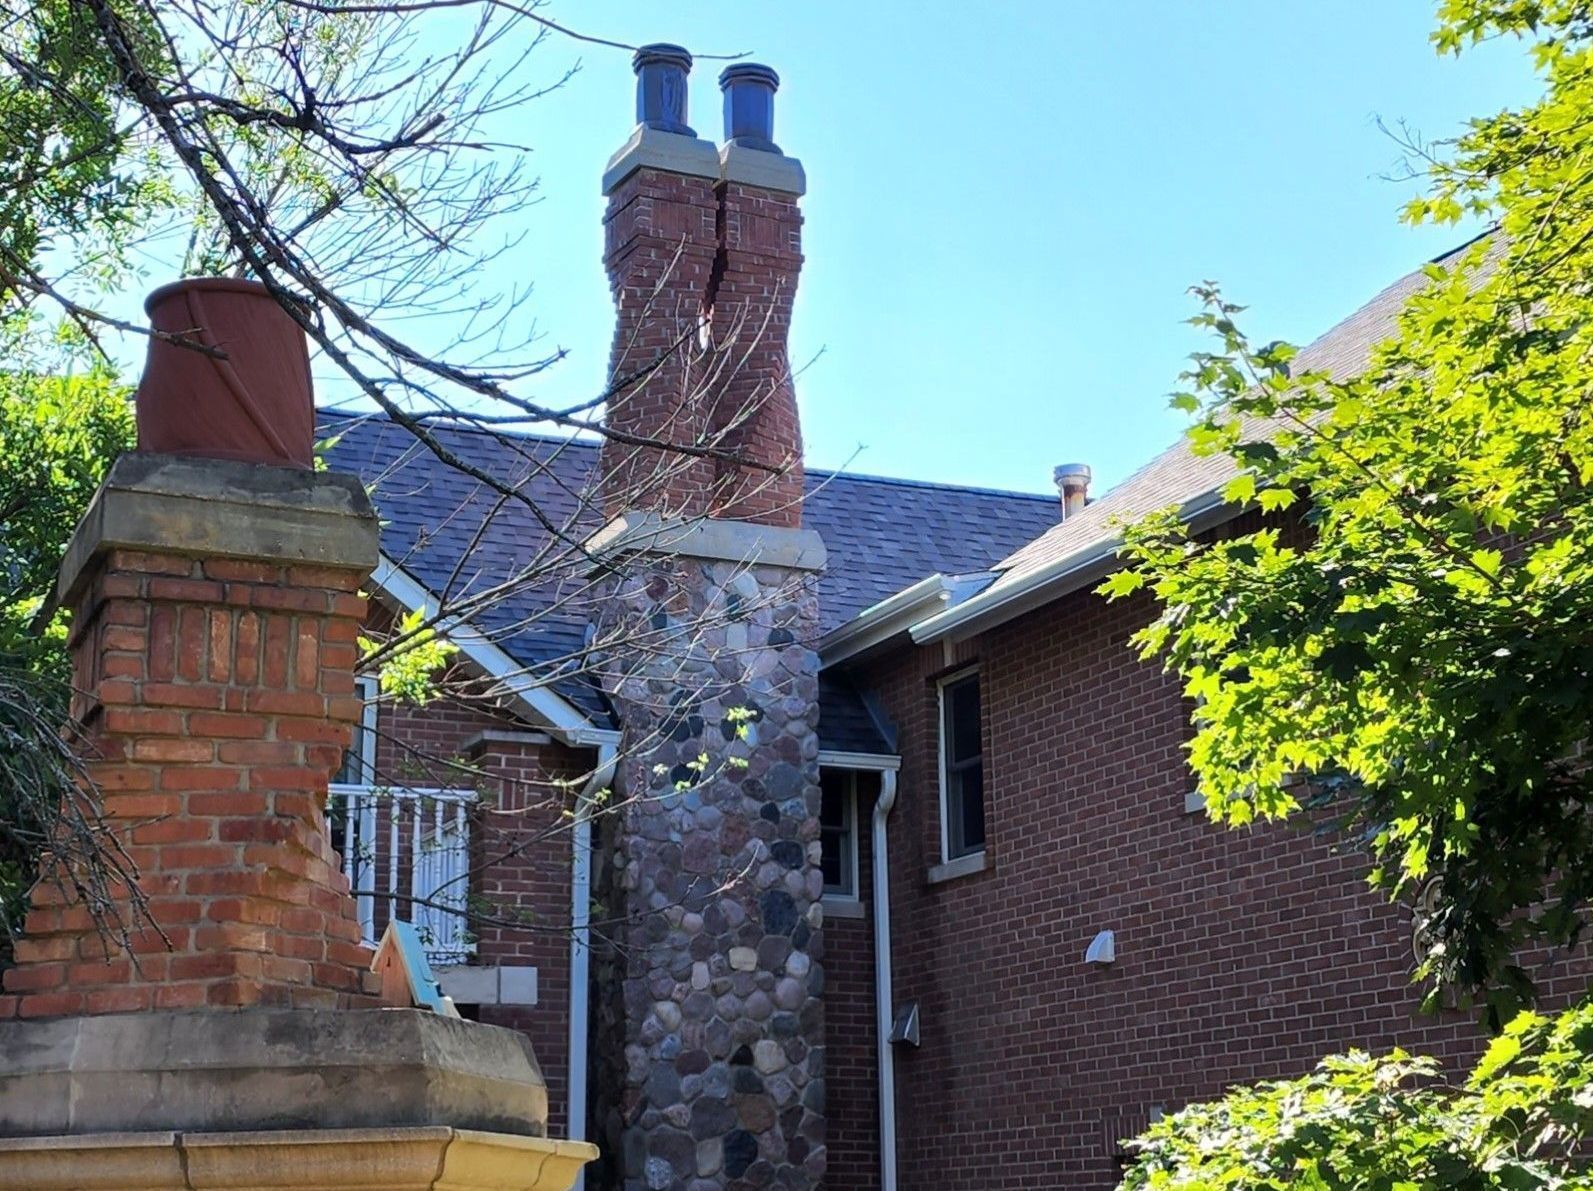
(490, 984)
(381, 1159)
(219, 508)
(654, 148)
(745, 542)
(265, 1069)
(759, 167)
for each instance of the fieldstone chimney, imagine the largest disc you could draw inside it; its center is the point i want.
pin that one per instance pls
(708, 1039)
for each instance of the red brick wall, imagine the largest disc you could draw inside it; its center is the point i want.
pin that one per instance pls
(525, 864)
(1241, 954)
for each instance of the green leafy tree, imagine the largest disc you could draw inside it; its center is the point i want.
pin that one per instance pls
(1408, 634)
(1402, 633)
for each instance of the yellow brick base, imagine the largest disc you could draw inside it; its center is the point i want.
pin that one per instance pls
(423, 1159)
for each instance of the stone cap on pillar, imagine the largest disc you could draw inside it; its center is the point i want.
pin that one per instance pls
(647, 532)
(266, 1069)
(218, 508)
(653, 148)
(395, 1159)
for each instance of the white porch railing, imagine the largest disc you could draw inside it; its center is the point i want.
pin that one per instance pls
(406, 854)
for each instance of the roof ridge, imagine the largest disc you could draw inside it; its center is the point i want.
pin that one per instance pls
(970, 488)
(465, 426)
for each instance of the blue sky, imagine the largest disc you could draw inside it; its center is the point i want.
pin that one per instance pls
(1007, 202)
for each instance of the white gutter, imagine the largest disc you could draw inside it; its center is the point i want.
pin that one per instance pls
(896, 614)
(873, 762)
(890, 616)
(883, 1005)
(1002, 602)
(580, 940)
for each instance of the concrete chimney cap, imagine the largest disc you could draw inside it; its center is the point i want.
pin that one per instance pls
(1076, 472)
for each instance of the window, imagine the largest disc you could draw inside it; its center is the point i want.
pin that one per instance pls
(359, 759)
(962, 767)
(838, 832)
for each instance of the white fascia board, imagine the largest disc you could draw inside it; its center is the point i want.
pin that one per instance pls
(882, 621)
(999, 604)
(896, 614)
(538, 702)
(874, 762)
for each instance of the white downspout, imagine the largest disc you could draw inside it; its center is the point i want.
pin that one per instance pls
(580, 951)
(882, 982)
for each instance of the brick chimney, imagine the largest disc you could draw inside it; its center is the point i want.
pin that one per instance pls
(660, 247)
(703, 250)
(754, 286)
(708, 1022)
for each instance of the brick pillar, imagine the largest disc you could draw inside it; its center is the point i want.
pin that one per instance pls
(660, 247)
(215, 609)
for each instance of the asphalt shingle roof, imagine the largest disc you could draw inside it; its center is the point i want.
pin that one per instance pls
(453, 532)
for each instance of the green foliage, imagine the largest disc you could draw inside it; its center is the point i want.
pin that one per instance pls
(411, 660)
(1413, 644)
(1359, 1123)
(58, 434)
(73, 167)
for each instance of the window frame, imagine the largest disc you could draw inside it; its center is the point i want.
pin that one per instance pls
(369, 690)
(943, 764)
(849, 854)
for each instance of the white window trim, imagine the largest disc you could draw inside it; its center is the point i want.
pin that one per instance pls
(368, 689)
(855, 897)
(946, 858)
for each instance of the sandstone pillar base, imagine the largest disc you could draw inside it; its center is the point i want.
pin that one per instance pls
(432, 1158)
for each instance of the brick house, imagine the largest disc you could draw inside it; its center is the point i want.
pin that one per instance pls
(983, 727)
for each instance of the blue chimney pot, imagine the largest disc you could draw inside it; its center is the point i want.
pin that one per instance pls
(661, 71)
(749, 105)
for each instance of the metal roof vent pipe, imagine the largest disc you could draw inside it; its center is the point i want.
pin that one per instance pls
(749, 105)
(661, 71)
(1073, 483)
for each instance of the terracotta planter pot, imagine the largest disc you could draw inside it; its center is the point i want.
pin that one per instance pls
(256, 405)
